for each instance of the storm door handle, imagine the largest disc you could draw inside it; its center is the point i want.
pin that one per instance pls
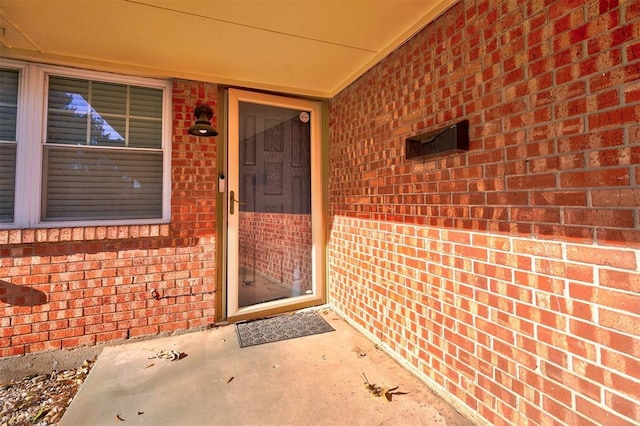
(232, 204)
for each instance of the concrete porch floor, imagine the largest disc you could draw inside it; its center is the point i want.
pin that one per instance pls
(309, 380)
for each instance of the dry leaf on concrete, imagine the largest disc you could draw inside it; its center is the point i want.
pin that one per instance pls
(379, 391)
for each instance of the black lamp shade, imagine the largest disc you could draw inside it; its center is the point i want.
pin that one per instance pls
(202, 126)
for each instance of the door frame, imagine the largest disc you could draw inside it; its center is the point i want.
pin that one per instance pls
(227, 309)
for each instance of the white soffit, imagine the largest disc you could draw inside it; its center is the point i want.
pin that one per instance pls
(307, 47)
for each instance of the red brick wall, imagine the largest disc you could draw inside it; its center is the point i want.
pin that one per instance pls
(507, 277)
(277, 246)
(68, 287)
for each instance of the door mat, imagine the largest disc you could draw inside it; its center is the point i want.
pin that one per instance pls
(282, 327)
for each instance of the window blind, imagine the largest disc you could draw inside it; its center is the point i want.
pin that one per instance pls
(102, 184)
(8, 120)
(7, 181)
(8, 104)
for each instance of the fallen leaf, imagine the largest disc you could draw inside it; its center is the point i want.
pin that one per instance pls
(168, 354)
(379, 391)
(388, 393)
(43, 411)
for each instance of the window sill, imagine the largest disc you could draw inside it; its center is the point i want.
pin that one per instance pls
(88, 233)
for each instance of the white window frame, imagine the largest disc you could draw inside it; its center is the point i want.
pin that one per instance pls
(30, 137)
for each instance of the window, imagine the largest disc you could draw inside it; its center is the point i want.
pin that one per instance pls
(101, 142)
(103, 151)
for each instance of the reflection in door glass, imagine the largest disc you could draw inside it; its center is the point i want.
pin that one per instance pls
(275, 236)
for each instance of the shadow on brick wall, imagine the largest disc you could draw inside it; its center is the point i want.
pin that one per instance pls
(21, 295)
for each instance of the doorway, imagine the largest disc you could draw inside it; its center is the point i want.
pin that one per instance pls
(274, 212)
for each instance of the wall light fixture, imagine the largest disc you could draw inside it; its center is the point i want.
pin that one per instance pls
(202, 126)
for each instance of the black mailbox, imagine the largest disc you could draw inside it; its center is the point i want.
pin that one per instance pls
(447, 140)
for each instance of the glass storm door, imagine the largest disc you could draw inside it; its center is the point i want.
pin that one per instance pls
(275, 238)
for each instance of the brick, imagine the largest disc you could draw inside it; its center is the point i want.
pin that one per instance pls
(50, 325)
(610, 177)
(571, 271)
(572, 381)
(12, 351)
(599, 217)
(531, 412)
(149, 330)
(622, 363)
(541, 282)
(493, 271)
(555, 198)
(623, 259)
(166, 327)
(620, 321)
(615, 198)
(74, 342)
(623, 406)
(111, 336)
(27, 339)
(100, 328)
(49, 345)
(28, 319)
(617, 117)
(606, 297)
(564, 344)
(611, 157)
(563, 413)
(596, 413)
(541, 181)
(541, 316)
(538, 215)
(571, 108)
(622, 280)
(66, 333)
(545, 352)
(471, 252)
(538, 248)
(85, 321)
(596, 139)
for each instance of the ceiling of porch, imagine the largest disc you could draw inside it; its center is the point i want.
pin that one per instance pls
(307, 47)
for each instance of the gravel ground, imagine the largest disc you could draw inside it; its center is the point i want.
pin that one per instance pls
(40, 399)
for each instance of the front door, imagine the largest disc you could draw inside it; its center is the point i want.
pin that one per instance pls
(275, 242)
